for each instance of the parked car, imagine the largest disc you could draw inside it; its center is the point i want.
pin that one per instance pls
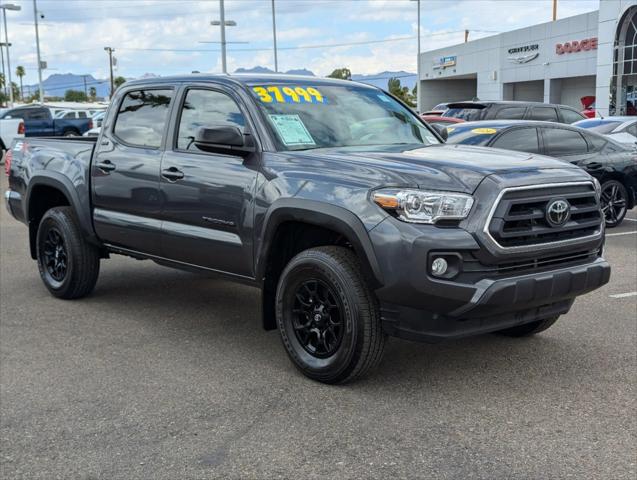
(613, 164)
(10, 129)
(620, 129)
(93, 132)
(439, 121)
(39, 122)
(437, 110)
(512, 110)
(335, 200)
(588, 102)
(97, 118)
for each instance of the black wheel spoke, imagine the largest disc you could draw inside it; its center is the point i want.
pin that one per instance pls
(54, 255)
(316, 318)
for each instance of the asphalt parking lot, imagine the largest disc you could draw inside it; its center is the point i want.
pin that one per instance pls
(165, 374)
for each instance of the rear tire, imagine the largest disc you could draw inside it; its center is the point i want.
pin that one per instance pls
(328, 318)
(71, 133)
(68, 264)
(528, 329)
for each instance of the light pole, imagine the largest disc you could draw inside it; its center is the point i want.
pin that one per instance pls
(5, 7)
(418, 61)
(276, 60)
(223, 23)
(110, 64)
(37, 46)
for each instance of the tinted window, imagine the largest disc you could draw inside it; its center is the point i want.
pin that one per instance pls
(571, 116)
(206, 108)
(597, 142)
(468, 114)
(511, 113)
(142, 116)
(82, 114)
(30, 114)
(520, 139)
(543, 113)
(69, 115)
(561, 142)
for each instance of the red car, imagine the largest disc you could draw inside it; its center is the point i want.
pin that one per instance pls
(440, 121)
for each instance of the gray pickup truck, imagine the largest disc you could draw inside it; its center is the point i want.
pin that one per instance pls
(349, 214)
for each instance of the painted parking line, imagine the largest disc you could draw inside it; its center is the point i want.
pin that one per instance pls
(621, 233)
(631, 219)
(624, 295)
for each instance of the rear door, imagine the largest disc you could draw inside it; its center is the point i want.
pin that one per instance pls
(125, 170)
(208, 197)
(567, 144)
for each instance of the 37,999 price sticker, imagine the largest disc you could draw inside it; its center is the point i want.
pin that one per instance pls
(288, 94)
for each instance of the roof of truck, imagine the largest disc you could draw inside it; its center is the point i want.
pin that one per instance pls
(244, 79)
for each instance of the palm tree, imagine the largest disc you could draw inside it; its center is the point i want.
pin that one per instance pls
(20, 72)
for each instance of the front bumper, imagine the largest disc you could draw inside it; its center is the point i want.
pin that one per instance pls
(418, 306)
(499, 304)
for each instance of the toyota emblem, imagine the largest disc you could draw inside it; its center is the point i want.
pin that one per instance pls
(558, 212)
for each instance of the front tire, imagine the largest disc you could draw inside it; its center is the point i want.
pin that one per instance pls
(614, 202)
(328, 318)
(528, 329)
(68, 264)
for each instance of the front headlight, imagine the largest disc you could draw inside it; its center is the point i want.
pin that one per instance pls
(421, 206)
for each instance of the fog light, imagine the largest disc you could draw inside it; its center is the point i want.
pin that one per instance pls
(439, 266)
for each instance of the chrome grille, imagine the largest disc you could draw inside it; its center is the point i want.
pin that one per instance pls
(519, 219)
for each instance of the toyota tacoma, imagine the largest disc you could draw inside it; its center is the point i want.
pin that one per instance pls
(350, 214)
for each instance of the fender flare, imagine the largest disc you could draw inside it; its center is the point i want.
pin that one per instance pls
(63, 184)
(323, 215)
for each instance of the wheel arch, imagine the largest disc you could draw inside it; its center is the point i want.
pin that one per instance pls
(312, 223)
(46, 191)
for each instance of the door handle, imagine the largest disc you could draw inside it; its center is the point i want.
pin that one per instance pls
(172, 174)
(106, 166)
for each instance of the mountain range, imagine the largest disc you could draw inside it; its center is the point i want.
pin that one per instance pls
(58, 83)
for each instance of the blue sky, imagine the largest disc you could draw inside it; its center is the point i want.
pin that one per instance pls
(163, 36)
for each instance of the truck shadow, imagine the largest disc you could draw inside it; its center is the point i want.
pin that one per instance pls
(226, 317)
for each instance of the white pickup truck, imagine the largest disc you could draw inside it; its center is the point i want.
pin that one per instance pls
(10, 129)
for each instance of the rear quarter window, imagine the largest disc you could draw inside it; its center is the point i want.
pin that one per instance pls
(142, 116)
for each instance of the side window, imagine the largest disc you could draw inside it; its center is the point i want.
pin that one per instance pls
(511, 113)
(597, 142)
(632, 129)
(69, 115)
(81, 114)
(571, 116)
(33, 114)
(206, 108)
(560, 142)
(519, 139)
(142, 117)
(547, 114)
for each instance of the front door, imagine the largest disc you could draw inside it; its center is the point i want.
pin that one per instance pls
(207, 212)
(125, 171)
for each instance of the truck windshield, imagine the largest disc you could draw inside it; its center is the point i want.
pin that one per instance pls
(307, 117)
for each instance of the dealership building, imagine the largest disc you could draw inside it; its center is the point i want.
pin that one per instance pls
(593, 54)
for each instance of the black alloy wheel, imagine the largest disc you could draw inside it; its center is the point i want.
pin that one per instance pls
(55, 256)
(614, 201)
(68, 264)
(318, 322)
(328, 317)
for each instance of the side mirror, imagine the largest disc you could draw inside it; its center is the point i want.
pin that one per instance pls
(223, 139)
(442, 131)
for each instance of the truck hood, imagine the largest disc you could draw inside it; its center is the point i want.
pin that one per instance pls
(458, 168)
